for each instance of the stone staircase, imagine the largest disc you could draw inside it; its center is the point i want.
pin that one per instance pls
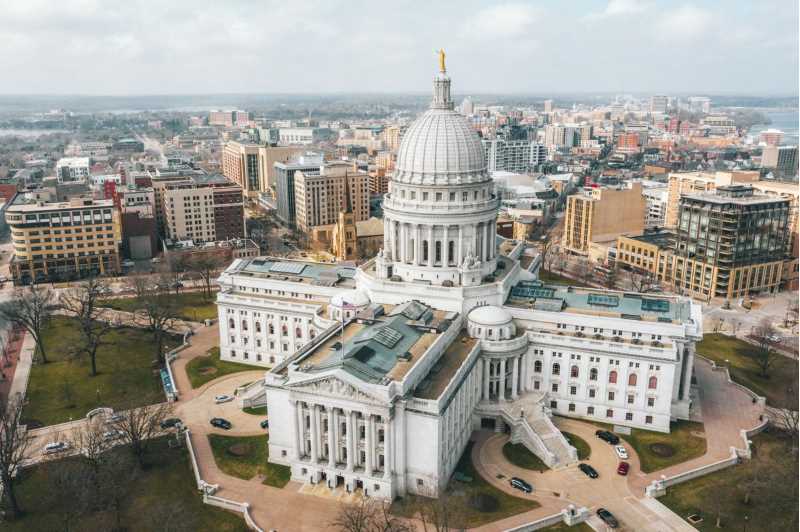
(253, 394)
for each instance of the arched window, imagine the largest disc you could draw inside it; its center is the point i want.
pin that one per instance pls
(284, 330)
(298, 332)
(537, 366)
(488, 332)
(593, 374)
(244, 325)
(258, 327)
(612, 377)
(231, 324)
(632, 379)
(573, 372)
(652, 384)
(271, 329)
(556, 369)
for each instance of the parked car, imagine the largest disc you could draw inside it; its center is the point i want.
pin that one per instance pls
(607, 517)
(264, 424)
(520, 484)
(116, 418)
(607, 436)
(221, 423)
(219, 399)
(111, 435)
(623, 468)
(169, 423)
(56, 447)
(621, 452)
(588, 470)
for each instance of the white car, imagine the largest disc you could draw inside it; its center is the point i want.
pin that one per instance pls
(621, 452)
(56, 447)
(223, 398)
(111, 435)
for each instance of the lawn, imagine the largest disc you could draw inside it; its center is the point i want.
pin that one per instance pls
(743, 367)
(62, 389)
(773, 503)
(246, 457)
(465, 499)
(191, 306)
(520, 456)
(209, 367)
(685, 445)
(584, 451)
(166, 488)
(255, 410)
(555, 278)
(561, 527)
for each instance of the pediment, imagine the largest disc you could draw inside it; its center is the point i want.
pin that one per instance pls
(335, 387)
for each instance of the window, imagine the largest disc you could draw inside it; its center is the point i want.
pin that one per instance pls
(630, 399)
(537, 366)
(554, 387)
(244, 325)
(652, 384)
(593, 374)
(553, 405)
(573, 372)
(298, 332)
(284, 330)
(556, 369)
(573, 390)
(258, 327)
(592, 392)
(271, 328)
(610, 396)
(535, 385)
(590, 410)
(612, 377)
(632, 379)
(571, 407)
(231, 324)
(609, 413)
(651, 401)
(628, 416)
(648, 419)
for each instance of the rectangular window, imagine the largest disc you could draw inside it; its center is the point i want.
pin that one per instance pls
(628, 416)
(573, 390)
(651, 401)
(648, 419)
(630, 399)
(590, 410)
(555, 387)
(609, 413)
(592, 393)
(610, 396)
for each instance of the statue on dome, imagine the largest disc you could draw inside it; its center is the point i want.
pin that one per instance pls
(442, 69)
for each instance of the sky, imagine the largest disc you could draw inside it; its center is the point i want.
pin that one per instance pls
(115, 47)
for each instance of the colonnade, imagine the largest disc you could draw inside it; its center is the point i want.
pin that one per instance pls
(504, 377)
(416, 244)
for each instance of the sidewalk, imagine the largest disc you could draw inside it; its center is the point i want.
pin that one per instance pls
(19, 384)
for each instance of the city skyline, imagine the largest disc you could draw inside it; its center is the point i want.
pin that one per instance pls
(623, 46)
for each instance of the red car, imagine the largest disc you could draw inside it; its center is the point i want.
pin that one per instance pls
(623, 468)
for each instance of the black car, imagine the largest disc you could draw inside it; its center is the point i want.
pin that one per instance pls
(605, 435)
(169, 423)
(520, 484)
(221, 423)
(265, 424)
(607, 517)
(588, 470)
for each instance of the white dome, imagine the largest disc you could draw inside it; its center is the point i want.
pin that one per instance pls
(356, 298)
(489, 315)
(440, 148)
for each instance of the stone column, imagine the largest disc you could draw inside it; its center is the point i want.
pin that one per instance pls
(515, 377)
(523, 360)
(418, 245)
(387, 240)
(502, 391)
(387, 450)
(349, 438)
(431, 246)
(446, 247)
(487, 366)
(369, 444)
(459, 246)
(297, 428)
(687, 376)
(314, 434)
(395, 243)
(331, 440)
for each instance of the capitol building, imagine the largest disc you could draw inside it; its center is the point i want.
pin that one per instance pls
(377, 375)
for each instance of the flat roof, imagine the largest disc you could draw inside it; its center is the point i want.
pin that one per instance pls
(320, 273)
(617, 304)
(446, 367)
(661, 239)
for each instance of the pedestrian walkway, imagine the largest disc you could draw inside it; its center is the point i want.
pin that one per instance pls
(22, 371)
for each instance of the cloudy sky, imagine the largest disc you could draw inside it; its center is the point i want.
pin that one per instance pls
(318, 46)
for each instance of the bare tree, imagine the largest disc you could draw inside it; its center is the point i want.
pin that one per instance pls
(368, 515)
(547, 248)
(69, 489)
(31, 309)
(611, 278)
(158, 310)
(763, 333)
(177, 266)
(137, 427)
(83, 303)
(641, 281)
(206, 265)
(115, 477)
(14, 442)
(441, 514)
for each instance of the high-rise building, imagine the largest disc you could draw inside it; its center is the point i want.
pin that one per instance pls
(72, 168)
(548, 106)
(697, 182)
(228, 118)
(284, 183)
(251, 166)
(699, 104)
(659, 103)
(601, 215)
(205, 208)
(781, 158)
(467, 107)
(518, 156)
(730, 243)
(771, 137)
(321, 194)
(63, 240)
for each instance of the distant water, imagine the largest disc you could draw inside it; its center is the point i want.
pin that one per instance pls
(787, 121)
(29, 133)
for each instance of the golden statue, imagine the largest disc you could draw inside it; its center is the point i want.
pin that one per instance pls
(442, 69)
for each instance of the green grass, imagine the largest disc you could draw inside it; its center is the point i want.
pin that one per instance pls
(191, 306)
(772, 504)
(260, 411)
(584, 451)
(196, 367)
(555, 278)
(460, 496)
(520, 456)
(561, 527)
(744, 369)
(686, 445)
(62, 389)
(168, 483)
(253, 462)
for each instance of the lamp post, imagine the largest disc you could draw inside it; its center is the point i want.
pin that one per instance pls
(746, 519)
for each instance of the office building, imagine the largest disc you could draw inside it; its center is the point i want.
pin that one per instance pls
(730, 243)
(228, 118)
(73, 169)
(651, 252)
(699, 104)
(303, 135)
(284, 183)
(63, 240)
(771, 137)
(205, 208)
(681, 183)
(659, 104)
(518, 156)
(781, 158)
(548, 106)
(601, 215)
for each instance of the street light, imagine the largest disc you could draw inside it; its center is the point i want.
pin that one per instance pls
(746, 519)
